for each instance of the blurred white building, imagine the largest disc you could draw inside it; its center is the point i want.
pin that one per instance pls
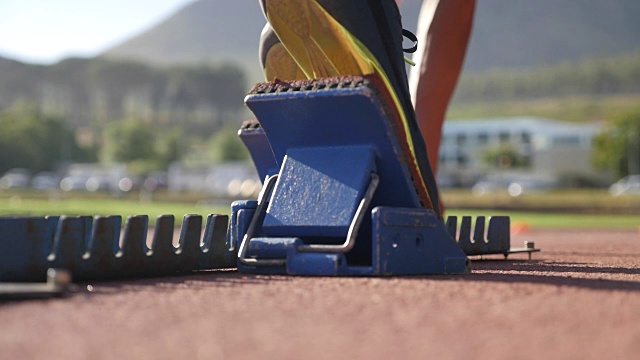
(551, 148)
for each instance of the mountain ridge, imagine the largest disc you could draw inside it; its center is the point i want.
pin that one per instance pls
(513, 34)
(204, 31)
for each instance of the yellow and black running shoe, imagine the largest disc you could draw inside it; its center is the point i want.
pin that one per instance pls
(327, 38)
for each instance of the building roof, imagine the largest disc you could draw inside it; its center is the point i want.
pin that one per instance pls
(534, 125)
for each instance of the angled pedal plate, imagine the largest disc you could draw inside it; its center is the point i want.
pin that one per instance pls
(339, 145)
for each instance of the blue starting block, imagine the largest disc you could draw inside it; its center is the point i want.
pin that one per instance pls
(338, 199)
(338, 196)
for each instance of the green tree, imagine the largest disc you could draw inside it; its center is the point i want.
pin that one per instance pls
(225, 145)
(617, 147)
(35, 141)
(171, 147)
(129, 140)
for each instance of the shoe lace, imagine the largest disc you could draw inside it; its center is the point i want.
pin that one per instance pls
(411, 36)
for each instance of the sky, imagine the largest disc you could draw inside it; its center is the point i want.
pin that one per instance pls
(46, 31)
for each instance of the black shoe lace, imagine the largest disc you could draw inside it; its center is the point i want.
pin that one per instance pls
(411, 36)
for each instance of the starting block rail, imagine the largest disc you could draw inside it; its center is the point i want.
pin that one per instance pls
(90, 248)
(496, 240)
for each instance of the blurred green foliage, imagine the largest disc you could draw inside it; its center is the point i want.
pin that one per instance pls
(128, 140)
(617, 148)
(93, 92)
(595, 77)
(505, 156)
(37, 142)
(184, 112)
(227, 146)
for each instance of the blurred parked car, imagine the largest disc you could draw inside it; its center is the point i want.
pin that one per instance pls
(15, 178)
(155, 181)
(626, 186)
(514, 186)
(74, 183)
(128, 183)
(45, 180)
(97, 183)
(529, 186)
(489, 186)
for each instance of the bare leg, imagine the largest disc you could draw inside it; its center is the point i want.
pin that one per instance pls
(444, 28)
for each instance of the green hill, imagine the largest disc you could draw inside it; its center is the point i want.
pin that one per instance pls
(18, 81)
(507, 34)
(205, 31)
(539, 33)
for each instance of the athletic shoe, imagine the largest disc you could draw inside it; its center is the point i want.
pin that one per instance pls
(329, 38)
(275, 60)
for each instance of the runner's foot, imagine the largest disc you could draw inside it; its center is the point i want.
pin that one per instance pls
(331, 38)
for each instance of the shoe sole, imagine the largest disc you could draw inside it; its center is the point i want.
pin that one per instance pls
(280, 65)
(322, 47)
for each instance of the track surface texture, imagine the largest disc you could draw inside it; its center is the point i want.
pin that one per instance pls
(577, 299)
